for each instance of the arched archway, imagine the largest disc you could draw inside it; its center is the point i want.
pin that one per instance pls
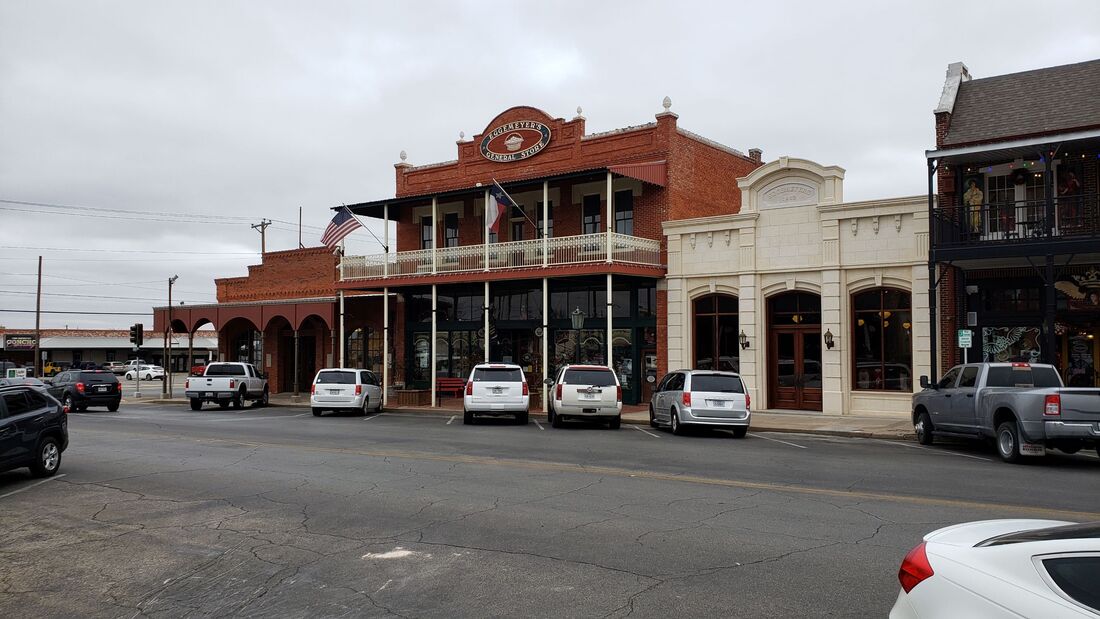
(240, 339)
(715, 332)
(794, 351)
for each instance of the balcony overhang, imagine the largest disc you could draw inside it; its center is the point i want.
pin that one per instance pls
(533, 273)
(1024, 148)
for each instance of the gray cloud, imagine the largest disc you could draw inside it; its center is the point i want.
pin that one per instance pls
(252, 109)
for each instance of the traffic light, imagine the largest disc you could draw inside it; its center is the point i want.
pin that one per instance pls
(137, 334)
(133, 334)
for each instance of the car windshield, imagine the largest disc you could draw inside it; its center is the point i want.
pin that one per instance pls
(336, 378)
(717, 383)
(596, 378)
(1022, 376)
(498, 375)
(224, 369)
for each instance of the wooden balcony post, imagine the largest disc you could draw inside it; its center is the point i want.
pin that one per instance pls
(545, 241)
(545, 337)
(435, 245)
(610, 216)
(343, 339)
(485, 238)
(385, 345)
(485, 317)
(431, 364)
(610, 311)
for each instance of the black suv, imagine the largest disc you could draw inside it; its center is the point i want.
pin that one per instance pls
(34, 430)
(80, 389)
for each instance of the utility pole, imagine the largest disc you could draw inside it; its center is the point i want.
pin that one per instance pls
(262, 227)
(300, 246)
(167, 388)
(38, 365)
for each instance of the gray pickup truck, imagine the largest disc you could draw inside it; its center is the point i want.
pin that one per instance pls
(1023, 407)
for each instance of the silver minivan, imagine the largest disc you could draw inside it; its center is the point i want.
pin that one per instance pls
(701, 398)
(345, 389)
(496, 389)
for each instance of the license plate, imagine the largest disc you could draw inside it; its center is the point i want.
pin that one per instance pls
(209, 394)
(334, 392)
(588, 396)
(497, 390)
(719, 403)
(102, 389)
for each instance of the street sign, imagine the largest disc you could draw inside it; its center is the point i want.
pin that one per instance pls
(966, 338)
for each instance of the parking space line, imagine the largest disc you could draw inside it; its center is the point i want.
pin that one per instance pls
(937, 451)
(369, 417)
(451, 420)
(37, 483)
(639, 428)
(775, 440)
(538, 424)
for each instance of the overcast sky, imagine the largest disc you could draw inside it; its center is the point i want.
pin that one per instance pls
(207, 116)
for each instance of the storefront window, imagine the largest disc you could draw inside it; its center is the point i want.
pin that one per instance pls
(623, 357)
(715, 323)
(882, 340)
(1006, 344)
(355, 352)
(422, 350)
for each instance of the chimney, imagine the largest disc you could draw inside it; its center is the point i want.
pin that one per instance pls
(756, 155)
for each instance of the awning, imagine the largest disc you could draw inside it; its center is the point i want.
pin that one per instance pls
(652, 172)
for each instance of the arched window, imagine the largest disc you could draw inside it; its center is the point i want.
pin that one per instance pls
(715, 333)
(882, 340)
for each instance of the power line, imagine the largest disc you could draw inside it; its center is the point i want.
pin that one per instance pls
(120, 210)
(92, 296)
(134, 251)
(82, 313)
(161, 219)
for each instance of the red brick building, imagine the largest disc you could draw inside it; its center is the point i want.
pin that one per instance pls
(574, 273)
(1015, 224)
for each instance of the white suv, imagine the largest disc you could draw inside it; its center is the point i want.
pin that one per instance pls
(586, 392)
(345, 389)
(497, 389)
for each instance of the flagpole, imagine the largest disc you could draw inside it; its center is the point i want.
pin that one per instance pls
(364, 226)
(516, 204)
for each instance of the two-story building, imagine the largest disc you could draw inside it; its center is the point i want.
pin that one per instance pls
(573, 274)
(1015, 237)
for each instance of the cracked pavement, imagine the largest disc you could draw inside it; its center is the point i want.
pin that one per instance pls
(167, 513)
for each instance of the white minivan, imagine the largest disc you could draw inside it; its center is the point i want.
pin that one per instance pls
(497, 389)
(345, 389)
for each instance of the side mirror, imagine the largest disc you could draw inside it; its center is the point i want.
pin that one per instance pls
(549, 382)
(924, 384)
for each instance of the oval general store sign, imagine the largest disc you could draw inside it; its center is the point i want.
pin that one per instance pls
(515, 141)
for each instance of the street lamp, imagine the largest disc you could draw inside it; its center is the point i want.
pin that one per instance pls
(743, 339)
(829, 339)
(166, 388)
(578, 319)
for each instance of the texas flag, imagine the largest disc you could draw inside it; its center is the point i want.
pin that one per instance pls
(499, 203)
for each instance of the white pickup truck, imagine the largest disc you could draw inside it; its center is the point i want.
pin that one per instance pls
(227, 383)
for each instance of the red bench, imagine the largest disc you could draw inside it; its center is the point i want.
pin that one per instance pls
(453, 386)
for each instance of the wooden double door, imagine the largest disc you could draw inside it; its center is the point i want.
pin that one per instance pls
(794, 367)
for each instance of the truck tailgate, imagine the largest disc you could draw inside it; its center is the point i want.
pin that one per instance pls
(1080, 404)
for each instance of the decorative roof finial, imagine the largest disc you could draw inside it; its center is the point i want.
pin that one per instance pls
(462, 135)
(579, 110)
(667, 104)
(403, 156)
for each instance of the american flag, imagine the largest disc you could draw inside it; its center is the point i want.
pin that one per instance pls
(340, 226)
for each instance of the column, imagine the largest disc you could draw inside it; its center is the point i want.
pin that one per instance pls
(833, 310)
(343, 337)
(435, 246)
(385, 345)
(296, 398)
(431, 364)
(610, 222)
(485, 237)
(545, 240)
(545, 332)
(485, 311)
(190, 351)
(610, 308)
(386, 241)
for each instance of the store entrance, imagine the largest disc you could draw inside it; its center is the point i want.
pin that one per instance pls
(794, 351)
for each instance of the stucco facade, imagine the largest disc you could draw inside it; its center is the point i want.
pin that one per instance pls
(795, 233)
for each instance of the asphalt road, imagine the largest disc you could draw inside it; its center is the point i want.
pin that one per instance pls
(161, 511)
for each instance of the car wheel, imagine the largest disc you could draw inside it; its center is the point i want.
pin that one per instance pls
(674, 423)
(467, 417)
(523, 419)
(264, 399)
(652, 417)
(238, 400)
(615, 423)
(317, 412)
(223, 404)
(740, 431)
(1008, 442)
(113, 408)
(556, 421)
(47, 458)
(196, 404)
(923, 428)
(68, 401)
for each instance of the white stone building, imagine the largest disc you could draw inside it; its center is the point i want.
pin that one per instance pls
(820, 304)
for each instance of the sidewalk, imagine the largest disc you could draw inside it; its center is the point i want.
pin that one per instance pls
(882, 427)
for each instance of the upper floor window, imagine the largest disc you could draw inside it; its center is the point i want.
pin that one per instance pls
(549, 220)
(425, 233)
(450, 230)
(591, 210)
(624, 212)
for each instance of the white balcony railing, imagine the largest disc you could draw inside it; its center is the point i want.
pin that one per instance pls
(559, 251)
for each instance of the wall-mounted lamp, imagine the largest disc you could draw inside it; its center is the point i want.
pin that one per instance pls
(829, 343)
(744, 339)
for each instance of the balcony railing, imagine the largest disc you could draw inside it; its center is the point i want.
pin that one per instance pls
(559, 251)
(1016, 221)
